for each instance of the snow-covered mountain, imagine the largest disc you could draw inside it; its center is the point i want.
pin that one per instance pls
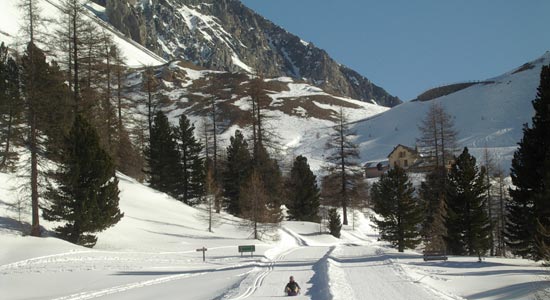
(226, 35)
(152, 252)
(489, 114)
(296, 107)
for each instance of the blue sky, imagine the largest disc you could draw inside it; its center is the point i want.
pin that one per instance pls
(408, 46)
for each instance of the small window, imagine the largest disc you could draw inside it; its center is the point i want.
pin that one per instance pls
(406, 163)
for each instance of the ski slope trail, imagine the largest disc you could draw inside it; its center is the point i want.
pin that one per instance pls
(373, 271)
(270, 281)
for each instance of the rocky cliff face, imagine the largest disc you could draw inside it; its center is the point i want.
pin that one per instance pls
(226, 35)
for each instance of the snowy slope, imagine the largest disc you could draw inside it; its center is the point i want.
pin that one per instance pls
(486, 115)
(296, 109)
(11, 22)
(151, 254)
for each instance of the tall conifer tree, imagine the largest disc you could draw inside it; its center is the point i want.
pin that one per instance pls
(393, 199)
(342, 161)
(334, 222)
(303, 193)
(529, 208)
(193, 175)
(468, 225)
(163, 156)
(86, 190)
(237, 171)
(11, 108)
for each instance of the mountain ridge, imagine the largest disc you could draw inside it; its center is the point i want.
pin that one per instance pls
(490, 114)
(227, 35)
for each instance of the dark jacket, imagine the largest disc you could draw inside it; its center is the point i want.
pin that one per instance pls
(292, 286)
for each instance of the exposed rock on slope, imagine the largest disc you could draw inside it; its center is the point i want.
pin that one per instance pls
(226, 35)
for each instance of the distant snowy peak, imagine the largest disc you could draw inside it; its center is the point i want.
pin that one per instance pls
(226, 35)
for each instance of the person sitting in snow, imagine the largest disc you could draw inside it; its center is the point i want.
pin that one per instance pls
(292, 288)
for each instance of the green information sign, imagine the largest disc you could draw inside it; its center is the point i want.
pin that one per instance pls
(247, 248)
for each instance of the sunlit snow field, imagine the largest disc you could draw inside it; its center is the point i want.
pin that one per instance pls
(151, 253)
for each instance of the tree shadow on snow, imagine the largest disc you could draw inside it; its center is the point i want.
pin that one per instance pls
(162, 223)
(320, 281)
(481, 266)
(14, 225)
(189, 236)
(514, 291)
(373, 258)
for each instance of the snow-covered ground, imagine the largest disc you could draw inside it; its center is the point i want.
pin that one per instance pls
(151, 254)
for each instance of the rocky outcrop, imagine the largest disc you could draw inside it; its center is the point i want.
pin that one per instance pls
(226, 35)
(127, 19)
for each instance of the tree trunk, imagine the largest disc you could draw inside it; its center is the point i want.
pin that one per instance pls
(75, 59)
(35, 228)
(344, 177)
(215, 140)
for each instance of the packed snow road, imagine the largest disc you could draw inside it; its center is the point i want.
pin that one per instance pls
(338, 272)
(370, 270)
(323, 272)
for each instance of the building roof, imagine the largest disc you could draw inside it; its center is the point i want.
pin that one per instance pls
(413, 151)
(374, 164)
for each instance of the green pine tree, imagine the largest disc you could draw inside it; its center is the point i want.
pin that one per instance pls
(334, 222)
(237, 171)
(163, 156)
(433, 194)
(11, 109)
(467, 222)
(529, 208)
(303, 193)
(401, 215)
(85, 194)
(193, 172)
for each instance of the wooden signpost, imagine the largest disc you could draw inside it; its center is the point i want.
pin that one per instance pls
(203, 250)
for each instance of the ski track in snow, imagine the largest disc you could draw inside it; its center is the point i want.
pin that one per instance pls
(125, 287)
(258, 281)
(300, 241)
(96, 256)
(40, 259)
